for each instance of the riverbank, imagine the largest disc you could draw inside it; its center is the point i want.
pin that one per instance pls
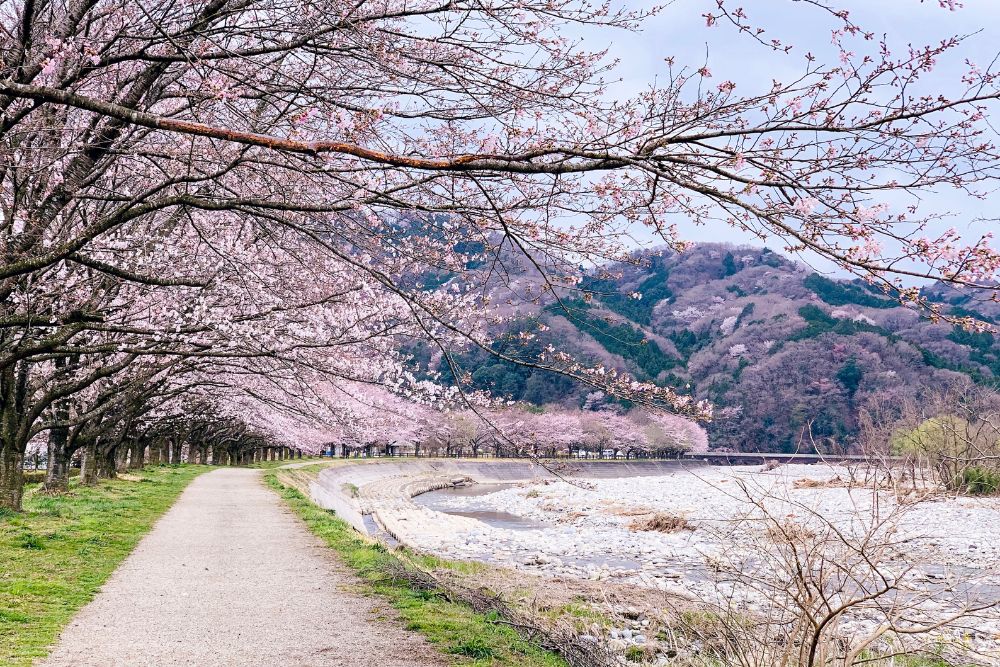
(454, 628)
(597, 529)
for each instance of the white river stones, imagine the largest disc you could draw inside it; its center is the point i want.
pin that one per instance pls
(583, 530)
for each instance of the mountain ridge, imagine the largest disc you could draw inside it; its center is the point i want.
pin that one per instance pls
(782, 351)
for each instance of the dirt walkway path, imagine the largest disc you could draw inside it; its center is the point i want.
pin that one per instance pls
(230, 577)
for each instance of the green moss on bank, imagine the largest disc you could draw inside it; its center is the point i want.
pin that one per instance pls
(57, 553)
(475, 639)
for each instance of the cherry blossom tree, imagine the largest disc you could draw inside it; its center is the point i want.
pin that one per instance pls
(535, 432)
(273, 185)
(669, 433)
(610, 430)
(559, 431)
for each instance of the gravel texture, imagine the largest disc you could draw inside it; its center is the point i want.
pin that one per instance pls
(230, 577)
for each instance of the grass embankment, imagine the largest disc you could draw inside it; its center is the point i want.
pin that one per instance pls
(57, 553)
(474, 639)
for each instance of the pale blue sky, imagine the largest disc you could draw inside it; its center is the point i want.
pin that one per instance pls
(680, 31)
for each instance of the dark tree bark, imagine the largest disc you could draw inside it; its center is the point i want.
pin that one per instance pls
(119, 460)
(88, 464)
(107, 462)
(13, 381)
(156, 452)
(60, 456)
(137, 456)
(57, 473)
(11, 478)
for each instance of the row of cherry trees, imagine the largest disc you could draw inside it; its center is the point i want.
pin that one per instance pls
(383, 424)
(215, 211)
(209, 328)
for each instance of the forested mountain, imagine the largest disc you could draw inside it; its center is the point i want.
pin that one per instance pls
(777, 347)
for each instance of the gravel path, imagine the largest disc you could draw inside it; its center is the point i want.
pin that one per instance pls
(230, 577)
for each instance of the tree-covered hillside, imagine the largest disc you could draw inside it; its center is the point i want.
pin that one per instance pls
(781, 350)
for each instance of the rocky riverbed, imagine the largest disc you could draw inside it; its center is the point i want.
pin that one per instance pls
(584, 527)
(592, 529)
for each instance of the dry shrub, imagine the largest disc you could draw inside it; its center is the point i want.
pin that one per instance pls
(796, 587)
(788, 531)
(661, 523)
(809, 483)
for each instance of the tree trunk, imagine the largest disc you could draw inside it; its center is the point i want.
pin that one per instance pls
(156, 453)
(137, 456)
(119, 461)
(57, 474)
(88, 465)
(11, 478)
(107, 463)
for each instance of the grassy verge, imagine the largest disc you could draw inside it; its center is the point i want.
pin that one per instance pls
(55, 555)
(474, 639)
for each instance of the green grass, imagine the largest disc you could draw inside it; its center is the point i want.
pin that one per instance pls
(38, 476)
(57, 553)
(906, 661)
(474, 639)
(979, 481)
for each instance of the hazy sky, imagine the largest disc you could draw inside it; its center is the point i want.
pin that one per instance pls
(680, 31)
